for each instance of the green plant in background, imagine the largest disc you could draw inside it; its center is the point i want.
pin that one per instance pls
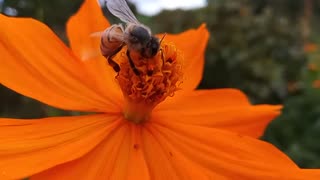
(257, 53)
(297, 130)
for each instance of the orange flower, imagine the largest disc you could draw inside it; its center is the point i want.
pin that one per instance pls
(312, 67)
(310, 47)
(205, 134)
(316, 84)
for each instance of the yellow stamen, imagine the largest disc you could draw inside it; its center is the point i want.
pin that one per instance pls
(149, 81)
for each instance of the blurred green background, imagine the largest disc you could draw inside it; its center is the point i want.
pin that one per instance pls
(266, 48)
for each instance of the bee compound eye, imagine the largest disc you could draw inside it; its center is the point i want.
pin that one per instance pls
(155, 45)
(155, 48)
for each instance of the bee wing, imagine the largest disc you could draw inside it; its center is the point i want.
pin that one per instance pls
(120, 9)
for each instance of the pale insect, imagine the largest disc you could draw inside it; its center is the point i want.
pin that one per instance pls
(135, 35)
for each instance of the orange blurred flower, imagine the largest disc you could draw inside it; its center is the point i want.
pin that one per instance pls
(316, 84)
(205, 134)
(310, 47)
(312, 67)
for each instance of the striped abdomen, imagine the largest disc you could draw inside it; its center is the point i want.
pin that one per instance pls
(111, 40)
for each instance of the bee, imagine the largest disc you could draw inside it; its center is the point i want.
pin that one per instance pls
(135, 35)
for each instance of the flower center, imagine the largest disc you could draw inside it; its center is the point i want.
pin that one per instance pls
(145, 82)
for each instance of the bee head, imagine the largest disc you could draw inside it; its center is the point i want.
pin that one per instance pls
(140, 40)
(152, 47)
(139, 36)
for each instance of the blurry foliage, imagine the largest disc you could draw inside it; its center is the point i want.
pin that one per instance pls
(258, 53)
(255, 45)
(296, 131)
(292, 9)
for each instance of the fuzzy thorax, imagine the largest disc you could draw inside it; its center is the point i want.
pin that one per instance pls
(145, 82)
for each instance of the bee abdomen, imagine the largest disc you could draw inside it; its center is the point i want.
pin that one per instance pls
(111, 40)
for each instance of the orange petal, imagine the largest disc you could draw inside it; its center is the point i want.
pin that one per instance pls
(312, 173)
(214, 97)
(221, 108)
(35, 63)
(137, 166)
(220, 154)
(130, 162)
(225, 108)
(156, 155)
(119, 156)
(81, 30)
(31, 146)
(192, 44)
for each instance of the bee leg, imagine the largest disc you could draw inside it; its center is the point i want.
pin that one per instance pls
(112, 63)
(135, 70)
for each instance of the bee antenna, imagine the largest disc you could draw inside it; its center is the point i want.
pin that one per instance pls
(163, 37)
